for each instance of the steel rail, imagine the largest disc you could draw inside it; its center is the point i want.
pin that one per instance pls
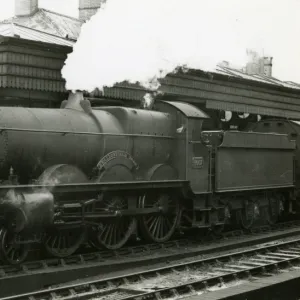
(283, 254)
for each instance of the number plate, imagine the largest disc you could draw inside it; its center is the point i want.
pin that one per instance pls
(197, 162)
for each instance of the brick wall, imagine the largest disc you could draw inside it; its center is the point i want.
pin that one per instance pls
(87, 8)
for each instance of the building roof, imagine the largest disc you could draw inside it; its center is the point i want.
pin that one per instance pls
(19, 31)
(236, 73)
(50, 22)
(51, 27)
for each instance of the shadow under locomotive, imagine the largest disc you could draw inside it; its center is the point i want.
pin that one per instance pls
(101, 174)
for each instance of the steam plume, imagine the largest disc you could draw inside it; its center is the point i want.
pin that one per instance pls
(143, 40)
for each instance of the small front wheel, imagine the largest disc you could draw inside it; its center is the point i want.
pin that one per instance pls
(13, 251)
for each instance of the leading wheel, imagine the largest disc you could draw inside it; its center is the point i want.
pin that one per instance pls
(161, 226)
(63, 241)
(12, 252)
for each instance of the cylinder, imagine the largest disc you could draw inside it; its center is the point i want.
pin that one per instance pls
(26, 210)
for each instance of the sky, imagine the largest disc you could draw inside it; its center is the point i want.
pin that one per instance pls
(269, 26)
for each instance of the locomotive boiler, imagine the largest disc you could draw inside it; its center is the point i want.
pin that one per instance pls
(101, 174)
(35, 139)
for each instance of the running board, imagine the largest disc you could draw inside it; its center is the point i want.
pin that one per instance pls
(99, 187)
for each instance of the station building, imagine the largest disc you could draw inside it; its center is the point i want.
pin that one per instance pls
(35, 43)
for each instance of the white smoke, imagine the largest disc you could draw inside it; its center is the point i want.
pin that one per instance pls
(142, 40)
(148, 101)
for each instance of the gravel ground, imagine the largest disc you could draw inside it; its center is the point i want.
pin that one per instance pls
(113, 296)
(172, 279)
(176, 278)
(149, 286)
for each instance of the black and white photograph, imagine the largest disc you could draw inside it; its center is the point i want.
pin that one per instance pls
(149, 149)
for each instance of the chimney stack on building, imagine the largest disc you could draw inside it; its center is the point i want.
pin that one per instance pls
(258, 65)
(87, 8)
(26, 7)
(268, 66)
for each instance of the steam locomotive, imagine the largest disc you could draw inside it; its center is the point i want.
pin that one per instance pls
(102, 174)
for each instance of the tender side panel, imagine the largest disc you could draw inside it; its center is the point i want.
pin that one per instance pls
(254, 161)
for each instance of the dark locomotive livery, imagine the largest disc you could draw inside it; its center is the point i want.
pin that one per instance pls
(103, 174)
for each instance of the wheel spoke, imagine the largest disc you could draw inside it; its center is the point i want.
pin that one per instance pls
(10, 248)
(149, 220)
(53, 241)
(105, 233)
(157, 228)
(162, 231)
(111, 230)
(115, 235)
(13, 254)
(153, 225)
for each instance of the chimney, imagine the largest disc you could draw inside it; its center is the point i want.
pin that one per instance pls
(26, 7)
(268, 66)
(74, 101)
(87, 8)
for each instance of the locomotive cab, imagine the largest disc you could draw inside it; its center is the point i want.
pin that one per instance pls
(191, 156)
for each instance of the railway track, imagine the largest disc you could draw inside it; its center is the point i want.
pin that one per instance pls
(136, 251)
(141, 249)
(191, 278)
(39, 274)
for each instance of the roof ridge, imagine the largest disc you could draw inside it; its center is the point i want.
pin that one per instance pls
(51, 23)
(62, 15)
(230, 70)
(40, 31)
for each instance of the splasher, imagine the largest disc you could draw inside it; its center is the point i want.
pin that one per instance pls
(144, 40)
